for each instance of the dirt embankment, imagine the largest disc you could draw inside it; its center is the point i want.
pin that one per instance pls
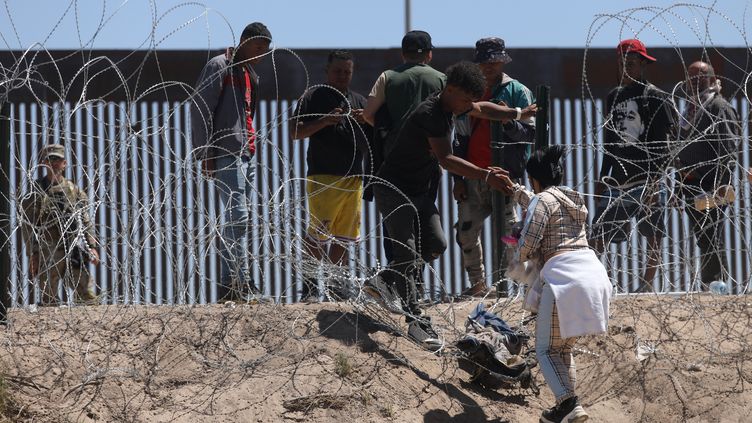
(331, 362)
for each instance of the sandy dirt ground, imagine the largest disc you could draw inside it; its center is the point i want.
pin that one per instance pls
(336, 362)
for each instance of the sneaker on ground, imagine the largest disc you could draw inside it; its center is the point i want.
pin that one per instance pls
(88, 299)
(422, 332)
(377, 289)
(256, 296)
(568, 411)
(339, 290)
(227, 292)
(309, 298)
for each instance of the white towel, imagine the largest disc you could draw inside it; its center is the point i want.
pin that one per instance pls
(582, 291)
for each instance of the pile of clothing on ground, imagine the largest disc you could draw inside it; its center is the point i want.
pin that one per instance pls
(495, 354)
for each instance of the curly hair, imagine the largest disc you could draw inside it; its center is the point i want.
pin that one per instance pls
(467, 77)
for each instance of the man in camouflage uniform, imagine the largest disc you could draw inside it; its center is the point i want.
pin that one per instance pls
(57, 230)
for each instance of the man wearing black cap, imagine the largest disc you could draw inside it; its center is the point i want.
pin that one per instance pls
(640, 122)
(406, 196)
(404, 87)
(473, 143)
(224, 140)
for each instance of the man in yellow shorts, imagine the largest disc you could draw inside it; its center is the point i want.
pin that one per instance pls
(331, 116)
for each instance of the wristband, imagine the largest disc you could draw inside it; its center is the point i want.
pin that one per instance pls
(487, 175)
(519, 113)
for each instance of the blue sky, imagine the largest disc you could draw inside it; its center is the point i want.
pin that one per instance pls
(175, 24)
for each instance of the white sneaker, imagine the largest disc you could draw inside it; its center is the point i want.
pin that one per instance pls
(377, 289)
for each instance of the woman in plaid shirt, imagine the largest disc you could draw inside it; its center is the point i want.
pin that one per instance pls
(576, 288)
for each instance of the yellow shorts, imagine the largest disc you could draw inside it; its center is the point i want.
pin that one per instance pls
(334, 205)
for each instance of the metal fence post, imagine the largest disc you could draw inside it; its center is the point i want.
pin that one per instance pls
(542, 125)
(5, 238)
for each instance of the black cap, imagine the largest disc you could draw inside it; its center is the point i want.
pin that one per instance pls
(256, 30)
(491, 50)
(416, 42)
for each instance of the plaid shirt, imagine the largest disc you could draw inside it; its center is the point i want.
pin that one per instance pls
(555, 222)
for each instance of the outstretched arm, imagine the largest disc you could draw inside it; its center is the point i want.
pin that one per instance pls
(492, 111)
(442, 149)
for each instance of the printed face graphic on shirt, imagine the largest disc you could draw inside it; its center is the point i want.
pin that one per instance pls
(627, 121)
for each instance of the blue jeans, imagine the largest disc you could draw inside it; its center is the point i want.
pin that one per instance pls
(554, 354)
(234, 179)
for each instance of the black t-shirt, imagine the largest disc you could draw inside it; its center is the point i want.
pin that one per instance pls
(336, 149)
(640, 123)
(410, 165)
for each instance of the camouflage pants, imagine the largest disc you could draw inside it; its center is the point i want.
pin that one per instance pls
(55, 266)
(471, 214)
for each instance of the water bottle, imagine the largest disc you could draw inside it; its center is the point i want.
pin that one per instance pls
(719, 288)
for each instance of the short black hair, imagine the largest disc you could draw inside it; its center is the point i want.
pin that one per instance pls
(339, 55)
(546, 166)
(467, 77)
(256, 30)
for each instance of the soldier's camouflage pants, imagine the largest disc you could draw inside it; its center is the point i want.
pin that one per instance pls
(53, 267)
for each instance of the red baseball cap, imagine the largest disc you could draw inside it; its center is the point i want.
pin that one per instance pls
(633, 46)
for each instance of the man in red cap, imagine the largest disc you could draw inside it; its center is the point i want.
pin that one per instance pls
(639, 123)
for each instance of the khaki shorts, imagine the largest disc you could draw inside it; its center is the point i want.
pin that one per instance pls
(334, 207)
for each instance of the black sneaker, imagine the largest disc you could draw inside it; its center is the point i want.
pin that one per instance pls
(381, 292)
(339, 290)
(226, 293)
(568, 411)
(421, 331)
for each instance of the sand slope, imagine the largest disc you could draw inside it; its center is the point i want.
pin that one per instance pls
(333, 362)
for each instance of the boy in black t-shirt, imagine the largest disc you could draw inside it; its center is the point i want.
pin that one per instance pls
(639, 124)
(405, 197)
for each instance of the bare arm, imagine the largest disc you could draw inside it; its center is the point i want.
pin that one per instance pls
(492, 111)
(300, 129)
(376, 99)
(372, 106)
(442, 149)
